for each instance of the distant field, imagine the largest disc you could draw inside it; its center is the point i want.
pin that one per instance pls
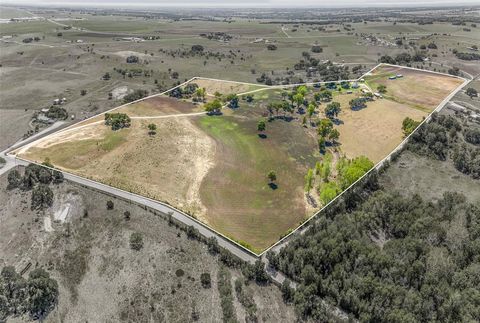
(215, 167)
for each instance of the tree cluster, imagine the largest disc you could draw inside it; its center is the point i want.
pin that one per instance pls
(36, 296)
(117, 120)
(37, 179)
(391, 259)
(135, 95)
(445, 138)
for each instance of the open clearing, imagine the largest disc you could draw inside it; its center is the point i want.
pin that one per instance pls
(215, 167)
(424, 91)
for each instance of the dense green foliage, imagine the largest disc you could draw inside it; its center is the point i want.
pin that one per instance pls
(393, 259)
(117, 120)
(445, 138)
(409, 125)
(36, 295)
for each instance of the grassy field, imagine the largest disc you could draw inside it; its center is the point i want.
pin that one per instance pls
(215, 167)
(418, 89)
(236, 192)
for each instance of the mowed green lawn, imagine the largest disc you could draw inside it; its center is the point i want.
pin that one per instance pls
(240, 203)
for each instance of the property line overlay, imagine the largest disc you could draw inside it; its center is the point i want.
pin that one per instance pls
(105, 187)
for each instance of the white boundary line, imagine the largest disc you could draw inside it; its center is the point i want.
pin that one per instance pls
(266, 87)
(375, 167)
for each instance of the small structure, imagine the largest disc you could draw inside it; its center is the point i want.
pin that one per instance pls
(399, 76)
(355, 85)
(378, 95)
(394, 77)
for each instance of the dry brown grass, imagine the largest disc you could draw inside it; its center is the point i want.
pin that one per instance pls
(224, 87)
(374, 131)
(416, 88)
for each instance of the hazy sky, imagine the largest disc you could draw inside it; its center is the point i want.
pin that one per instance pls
(240, 3)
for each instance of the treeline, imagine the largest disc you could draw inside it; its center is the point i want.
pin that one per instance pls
(402, 58)
(445, 138)
(390, 259)
(468, 56)
(35, 296)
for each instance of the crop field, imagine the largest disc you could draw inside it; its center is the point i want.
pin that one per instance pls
(214, 167)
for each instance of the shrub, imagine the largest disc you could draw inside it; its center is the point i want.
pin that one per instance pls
(206, 280)
(110, 205)
(136, 241)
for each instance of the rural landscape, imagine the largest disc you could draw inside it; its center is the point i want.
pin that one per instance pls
(245, 164)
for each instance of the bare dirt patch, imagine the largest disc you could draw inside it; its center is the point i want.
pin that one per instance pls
(159, 105)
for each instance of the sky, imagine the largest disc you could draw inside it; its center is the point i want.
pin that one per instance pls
(242, 3)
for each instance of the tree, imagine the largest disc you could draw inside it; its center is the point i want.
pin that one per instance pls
(332, 110)
(357, 103)
(261, 126)
(310, 110)
(213, 107)
(328, 191)
(200, 93)
(271, 47)
(409, 125)
(42, 293)
(14, 179)
(471, 92)
(334, 135)
(233, 101)
(287, 291)
(152, 128)
(135, 95)
(309, 181)
(382, 88)
(272, 176)
(136, 241)
(298, 99)
(205, 280)
(324, 127)
(110, 205)
(212, 245)
(42, 197)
